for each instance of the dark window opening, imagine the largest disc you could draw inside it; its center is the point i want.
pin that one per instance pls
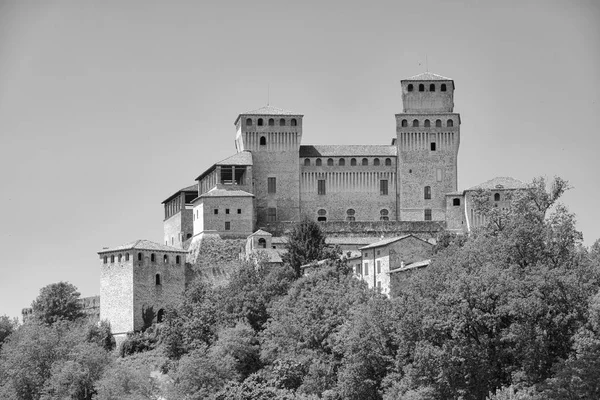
(216, 211)
(438, 123)
(388, 161)
(322, 215)
(410, 87)
(415, 123)
(271, 185)
(456, 202)
(404, 123)
(383, 187)
(318, 162)
(353, 162)
(249, 122)
(282, 122)
(112, 259)
(365, 161)
(271, 214)
(321, 187)
(350, 215)
(160, 316)
(427, 192)
(262, 243)
(126, 256)
(342, 162)
(497, 197)
(376, 161)
(263, 141)
(427, 124)
(432, 146)
(165, 259)
(427, 214)
(239, 210)
(330, 162)
(227, 225)
(152, 257)
(306, 162)
(119, 257)
(177, 259)
(271, 122)
(450, 123)
(189, 235)
(421, 87)
(260, 122)
(139, 256)
(443, 87)
(293, 122)
(227, 211)
(384, 215)
(105, 260)
(157, 278)
(432, 87)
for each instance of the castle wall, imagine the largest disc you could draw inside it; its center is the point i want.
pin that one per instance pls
(236, 210)
(455, 214)
(116, 294)
(178, 227)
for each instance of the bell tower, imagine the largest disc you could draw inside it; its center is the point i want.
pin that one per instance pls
(427, 137)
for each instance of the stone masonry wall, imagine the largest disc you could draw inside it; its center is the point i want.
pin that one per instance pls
(116, 294)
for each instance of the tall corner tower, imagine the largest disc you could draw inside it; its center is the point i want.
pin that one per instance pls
(273, 136)
(428, 138)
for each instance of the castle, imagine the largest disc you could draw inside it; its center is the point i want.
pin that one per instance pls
(358, 192)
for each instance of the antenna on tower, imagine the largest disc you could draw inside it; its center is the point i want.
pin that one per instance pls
(426, 64)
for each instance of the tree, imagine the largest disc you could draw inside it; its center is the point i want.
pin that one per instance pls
(306, 244)
(57, 301)
(7, 327)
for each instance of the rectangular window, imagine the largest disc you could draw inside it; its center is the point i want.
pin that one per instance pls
(378, 267)
(227, 225)
(427, 192)
(321, 186)
(427, 214)
(239, 210)
(366, 269)
(439, 174)
(271, 214)
(272, 185)
(383, 187)
(432, 146)
(227, 211)
(358, 269)
(216, 211)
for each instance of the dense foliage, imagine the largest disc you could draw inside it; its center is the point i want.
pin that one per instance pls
(509, 312)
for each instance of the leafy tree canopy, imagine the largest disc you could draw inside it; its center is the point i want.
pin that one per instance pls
(57, 301)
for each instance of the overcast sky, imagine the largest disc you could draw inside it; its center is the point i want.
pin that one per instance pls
(108, 107)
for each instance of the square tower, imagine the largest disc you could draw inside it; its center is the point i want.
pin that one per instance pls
(428, 137)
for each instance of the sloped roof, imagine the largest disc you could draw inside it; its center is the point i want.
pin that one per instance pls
(410, 266)
(501, 182)
(269, 110)
(260, 232)
(143, 244)
(241, 158)
(428, 76)
(350, 240)
(385, 242)
(347, 150)
(192, 188)
(226, 193)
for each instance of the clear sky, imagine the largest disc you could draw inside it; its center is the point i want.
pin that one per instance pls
(108, 107)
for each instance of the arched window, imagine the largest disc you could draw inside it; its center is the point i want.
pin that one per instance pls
(456, 202)
(450, 123)
(365, 161)
(160, 316)
(119, 257)
(353, 161)
(350, 215)
(410, 87)
(421, 87)
(427, 192)
(432, 87)
(262, 243)
(282, 122)
(427, 124)
(318, 162)
(497, 197)
(157, 278)
(342, 162)
(307, 162)
(384, 215)
(415, 122)
(443, 87)
(271, 122)
(126, 256)
(330, 162)
(322, 215)
(177, 259)
(388, 161)
(376, 161)
(293, 122)
(260, 122)
(248, 121)
(152, 257)
(263, 141)
(404, 123)
(105, 260)
(139, 256)
(438, 123)
(165, 259)
(112, 258)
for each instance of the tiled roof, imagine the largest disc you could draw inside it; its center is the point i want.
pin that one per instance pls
(347, 150)
(269, 110)
(501, 182)
(457, 193)
(385, 242)
(261, 233)
(241, 158)
(226, 193)
(427, 76)
(350, 240)
(417, 264)
(192, 188)
(143, 244)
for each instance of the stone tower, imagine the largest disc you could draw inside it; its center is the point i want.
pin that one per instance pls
(273, 136)
(137, 277)
(428, 137)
